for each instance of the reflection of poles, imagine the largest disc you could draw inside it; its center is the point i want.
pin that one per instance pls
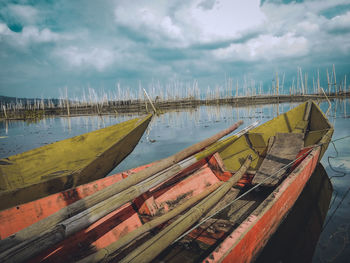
(335, 80)
(69, 125)
(67, 102)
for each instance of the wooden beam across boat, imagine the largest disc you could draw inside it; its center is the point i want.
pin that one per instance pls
(68, 163)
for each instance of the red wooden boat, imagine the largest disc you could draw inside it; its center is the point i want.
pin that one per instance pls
(224, 203)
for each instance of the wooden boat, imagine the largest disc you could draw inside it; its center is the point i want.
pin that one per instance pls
(68, 163)
(158, 220)
(296, 238)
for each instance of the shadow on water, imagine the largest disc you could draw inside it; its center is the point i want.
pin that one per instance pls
(297, 237)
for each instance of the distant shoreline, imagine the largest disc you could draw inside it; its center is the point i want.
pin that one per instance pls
(143, 106)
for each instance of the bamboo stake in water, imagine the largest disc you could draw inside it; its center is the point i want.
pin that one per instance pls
(4, 107)
(150, 101)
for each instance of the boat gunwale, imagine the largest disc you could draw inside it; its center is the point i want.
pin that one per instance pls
(225, 248)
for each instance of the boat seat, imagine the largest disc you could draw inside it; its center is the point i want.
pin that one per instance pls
(284, 149)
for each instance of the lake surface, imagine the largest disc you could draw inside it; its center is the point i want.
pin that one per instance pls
(173, 131)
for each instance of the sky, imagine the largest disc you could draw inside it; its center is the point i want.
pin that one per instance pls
(47, 46)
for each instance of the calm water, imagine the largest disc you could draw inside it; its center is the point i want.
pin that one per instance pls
(173, 131)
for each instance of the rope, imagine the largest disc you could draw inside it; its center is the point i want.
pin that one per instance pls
(341, 174)
(244, 194)
(253, 188)
(341, 201)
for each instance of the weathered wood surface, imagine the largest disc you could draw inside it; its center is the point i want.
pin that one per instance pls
(108, 251)
(150, 249)
(284, 150)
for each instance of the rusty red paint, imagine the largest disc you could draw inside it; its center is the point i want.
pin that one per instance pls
(241, 245)
(245, 242)
(16, 218)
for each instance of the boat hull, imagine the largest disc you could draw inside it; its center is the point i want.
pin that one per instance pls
(247, 241)
(296, 238)
(67, 164)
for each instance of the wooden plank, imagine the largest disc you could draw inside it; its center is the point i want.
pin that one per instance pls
(284, 150)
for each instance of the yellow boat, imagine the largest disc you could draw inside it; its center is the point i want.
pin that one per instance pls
(68, 163)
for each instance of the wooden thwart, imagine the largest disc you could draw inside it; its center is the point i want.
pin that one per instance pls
(284, 150)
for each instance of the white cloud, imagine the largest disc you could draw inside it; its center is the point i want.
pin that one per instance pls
(226, 19)
(341, 22)
(196, 21)
(292, 30)
(150, 20)
(99, 58)
(33, 34)
(4, 30)
(265, 47)
(30, 35)
(24, 13)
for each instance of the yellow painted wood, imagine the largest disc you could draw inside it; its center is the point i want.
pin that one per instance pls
(234, 155)
(303, 118)
(301, 126)
(257, 142)
(61, 165)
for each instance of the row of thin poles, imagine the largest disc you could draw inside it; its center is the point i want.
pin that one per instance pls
(179, 91)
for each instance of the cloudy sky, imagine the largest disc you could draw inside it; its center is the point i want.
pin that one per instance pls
(48, 45)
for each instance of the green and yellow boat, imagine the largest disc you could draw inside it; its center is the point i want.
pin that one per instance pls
(68, 163)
